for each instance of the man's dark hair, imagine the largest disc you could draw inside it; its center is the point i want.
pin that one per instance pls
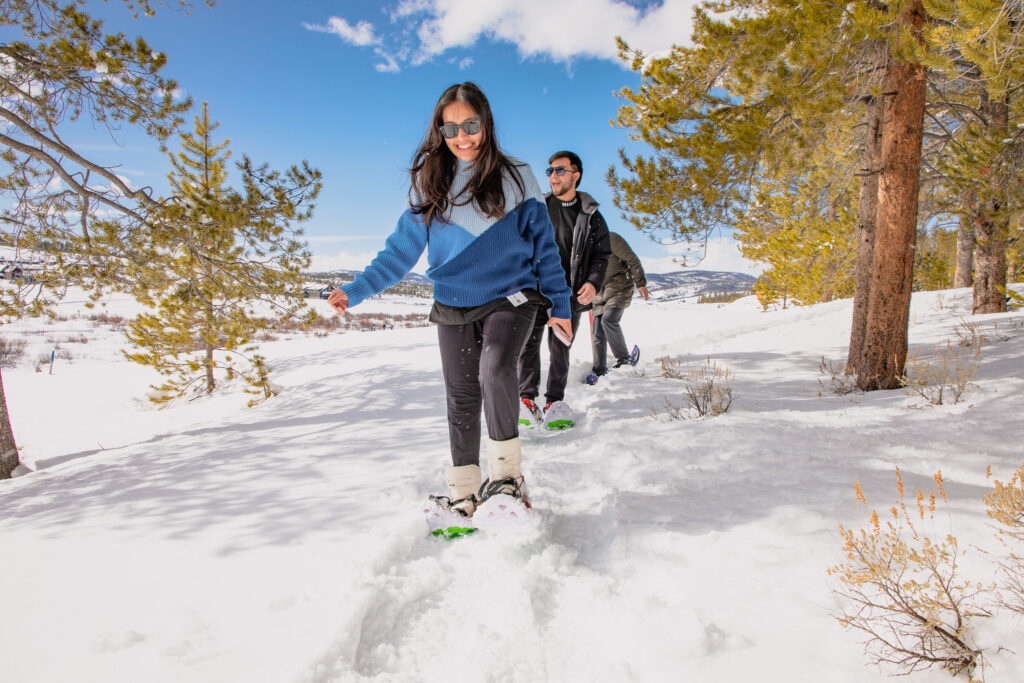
(573, 159)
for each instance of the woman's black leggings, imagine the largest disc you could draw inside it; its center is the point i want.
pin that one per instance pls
(479, 364)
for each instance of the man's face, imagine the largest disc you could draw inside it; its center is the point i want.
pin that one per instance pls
(564, 183)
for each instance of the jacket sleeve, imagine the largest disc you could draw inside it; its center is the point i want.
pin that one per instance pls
(598, 266)
(400, 253)
(624, 253)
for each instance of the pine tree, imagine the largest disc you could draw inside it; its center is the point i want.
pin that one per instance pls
(215, 256)
(805, 229)
(981, 43)
(59, 66)
(755, 94)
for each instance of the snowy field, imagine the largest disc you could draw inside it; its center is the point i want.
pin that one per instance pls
(211, 542)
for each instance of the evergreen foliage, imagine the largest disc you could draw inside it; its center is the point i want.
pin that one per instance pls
(803, 226)
(58, 65)
(213, 255)
(776, 102)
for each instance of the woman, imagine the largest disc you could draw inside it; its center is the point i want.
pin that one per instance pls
(482, 218)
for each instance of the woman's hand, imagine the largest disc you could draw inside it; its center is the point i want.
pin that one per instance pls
(338, 300)
(565, 326)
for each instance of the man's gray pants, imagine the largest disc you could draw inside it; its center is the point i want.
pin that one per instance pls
(607, 331)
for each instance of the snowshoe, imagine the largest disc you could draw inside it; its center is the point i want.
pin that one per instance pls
(530, 414)
(558, 415)
(448, 519)
(503, 502)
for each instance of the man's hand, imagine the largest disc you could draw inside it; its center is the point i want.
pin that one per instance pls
(338, 300)
(586, 294)
(643, 292)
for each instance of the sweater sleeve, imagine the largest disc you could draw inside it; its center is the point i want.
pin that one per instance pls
(547, 264)
(400, 253)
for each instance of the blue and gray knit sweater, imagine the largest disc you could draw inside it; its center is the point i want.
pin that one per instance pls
(475, 259)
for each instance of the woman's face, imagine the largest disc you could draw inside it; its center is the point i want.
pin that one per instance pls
(464, 146)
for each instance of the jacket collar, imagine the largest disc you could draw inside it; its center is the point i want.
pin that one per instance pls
(588, 204)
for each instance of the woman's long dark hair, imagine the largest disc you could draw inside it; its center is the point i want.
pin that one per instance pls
(433, 165)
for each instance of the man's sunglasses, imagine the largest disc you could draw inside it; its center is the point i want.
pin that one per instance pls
(558, 171)
(450, 130)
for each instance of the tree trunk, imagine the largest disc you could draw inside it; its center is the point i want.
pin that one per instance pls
(903, 99)
(990, 267)
(8, 449)
(990, 229)
(964, 248)
(867, 211)
(209, 368)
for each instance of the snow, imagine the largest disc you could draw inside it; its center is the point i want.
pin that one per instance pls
(207, 541)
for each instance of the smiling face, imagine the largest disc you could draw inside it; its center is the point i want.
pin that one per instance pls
(563, 186)
(464, 146)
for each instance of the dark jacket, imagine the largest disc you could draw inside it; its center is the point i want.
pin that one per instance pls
(590, 249)
(623, 275)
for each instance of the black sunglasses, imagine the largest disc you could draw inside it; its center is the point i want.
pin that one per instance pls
(558, 171)
(450, 130)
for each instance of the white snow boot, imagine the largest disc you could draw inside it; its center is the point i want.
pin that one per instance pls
(463, 483)
(503, 471)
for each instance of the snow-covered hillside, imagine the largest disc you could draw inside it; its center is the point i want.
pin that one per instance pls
(210, 542)
(681, 285)
(690, 285)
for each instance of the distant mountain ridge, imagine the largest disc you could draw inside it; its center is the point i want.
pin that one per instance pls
(692, 284)
(682, 284)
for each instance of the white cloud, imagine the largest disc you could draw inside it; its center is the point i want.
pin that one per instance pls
(561, 31)
(361, 33)
(389, 65)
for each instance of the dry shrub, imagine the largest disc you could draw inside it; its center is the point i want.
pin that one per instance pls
(709, 389)
(970, 334)
(901, 588)
(1005, 507)
(671, 368)
(840, 383)
(671, 410)
(11, 351)
(115, 322)
(945, 376)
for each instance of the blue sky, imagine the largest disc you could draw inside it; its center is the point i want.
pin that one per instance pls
(349, 86)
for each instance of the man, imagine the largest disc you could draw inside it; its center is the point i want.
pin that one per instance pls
(582, 238)
(623, 274)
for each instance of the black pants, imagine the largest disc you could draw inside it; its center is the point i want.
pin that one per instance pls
(558, 369)
(479, 364)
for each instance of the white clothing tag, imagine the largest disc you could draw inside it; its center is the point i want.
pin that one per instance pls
(517, 299)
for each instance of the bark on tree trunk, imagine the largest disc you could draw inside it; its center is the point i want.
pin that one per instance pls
(209, 368)
(990, 267)
(867, 211)
(990, 230)
(885, 339)
(964, 250)
(8, 449)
